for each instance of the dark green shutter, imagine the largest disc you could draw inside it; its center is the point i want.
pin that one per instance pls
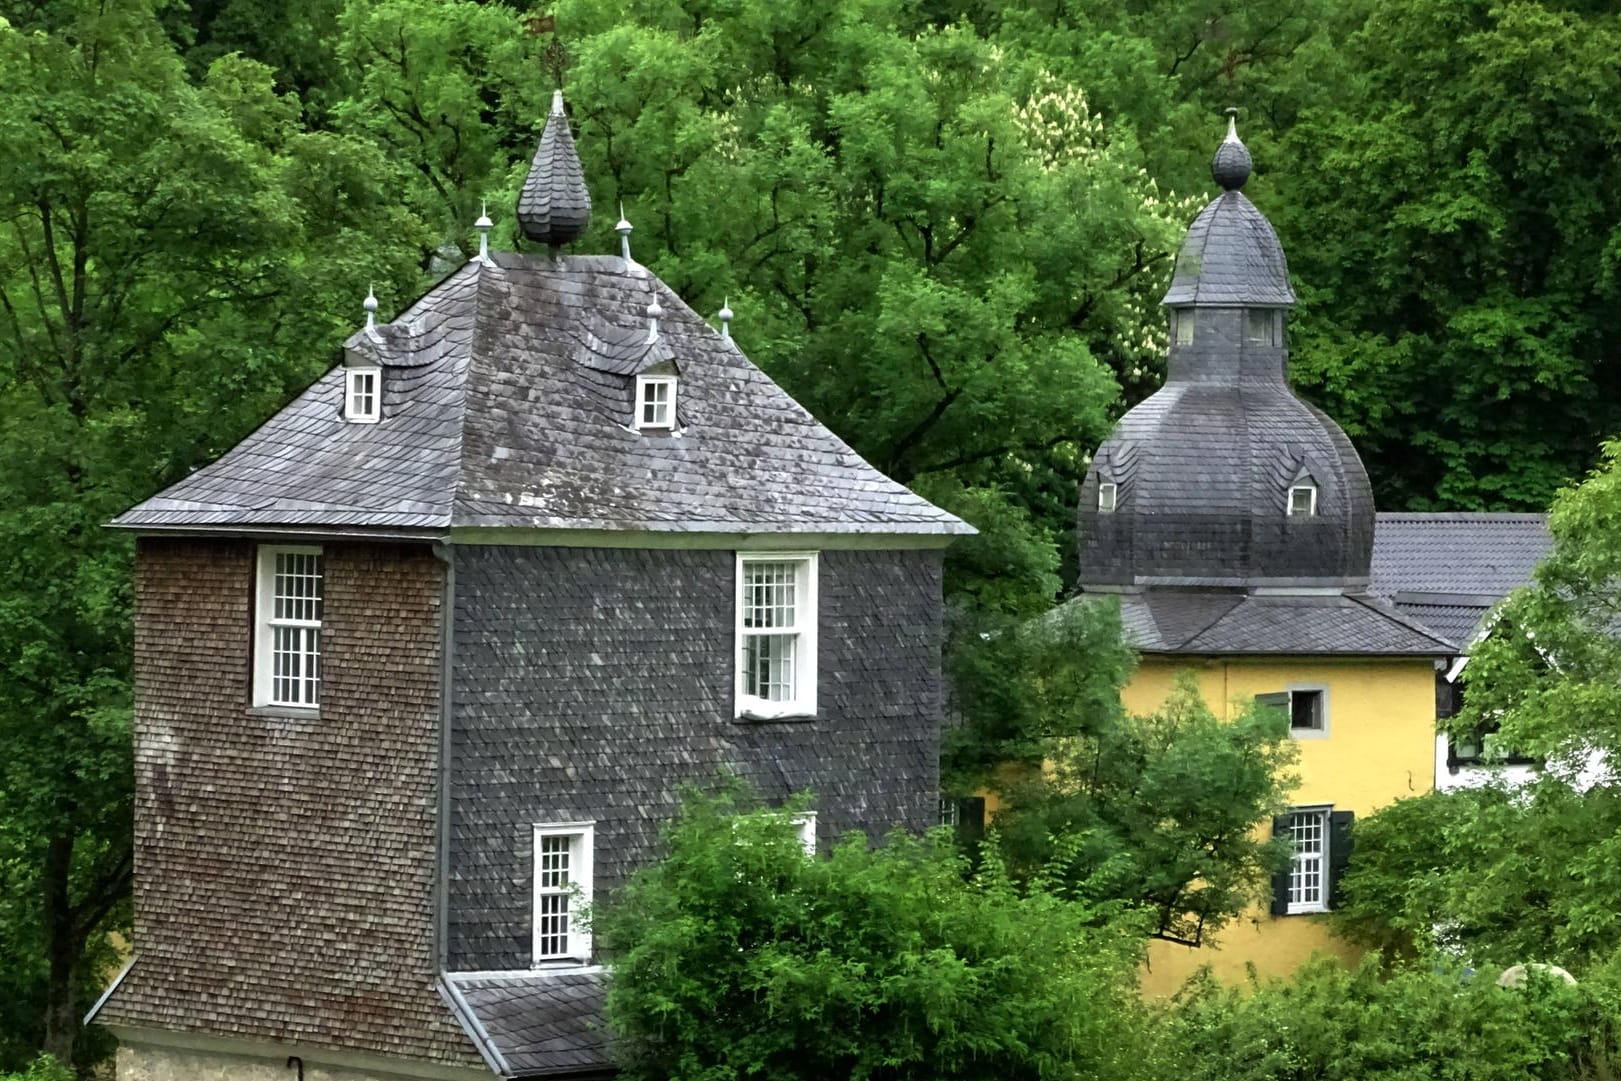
(1278, 700)
(1280, 880)
(1339, 852)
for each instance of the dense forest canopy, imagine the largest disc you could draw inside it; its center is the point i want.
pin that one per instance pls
(944, 224)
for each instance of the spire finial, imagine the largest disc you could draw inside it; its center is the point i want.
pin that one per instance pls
(623, 227)
(725, 314)
(370, 305)
(1231, 165)
(654, 310)
(484, 225)
(554, 207)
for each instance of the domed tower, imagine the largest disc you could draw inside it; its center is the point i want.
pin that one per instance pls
(1224, 478)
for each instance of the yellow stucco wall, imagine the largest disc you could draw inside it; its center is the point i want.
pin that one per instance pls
(1380, 745)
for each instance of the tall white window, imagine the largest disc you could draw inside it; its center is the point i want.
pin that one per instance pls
(1108, 496)
(362, 401)
(776, 635)
(1302, 500)
(655, 401)
(805, 825)
(1308, 875)
(562, 892)
(287, 641)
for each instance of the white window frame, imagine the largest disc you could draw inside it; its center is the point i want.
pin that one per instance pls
(362, 405)
(805, 824)
(803, 704)
(266, 623)
(1321, 731)
(643, 384)
(582, 850)
(1108, 496)
(1325, 817)
(1289, 501)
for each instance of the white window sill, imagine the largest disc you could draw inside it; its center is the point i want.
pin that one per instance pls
(1308, 733)
(755, 709)
(561, 964)
(1307, 910)
(297, 713)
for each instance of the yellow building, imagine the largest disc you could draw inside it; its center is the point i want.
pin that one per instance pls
(1235, 524)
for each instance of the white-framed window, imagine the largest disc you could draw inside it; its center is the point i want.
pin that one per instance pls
(1302, 499)
(1308, 829)
(563, 855)
(1184, 325)
(287, 638)
(776, 634)
(655, 401)
(363, 397)
(805, 824)
(1108, 496)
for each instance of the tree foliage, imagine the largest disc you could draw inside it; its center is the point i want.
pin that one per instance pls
(739, 955)
(1154, 814)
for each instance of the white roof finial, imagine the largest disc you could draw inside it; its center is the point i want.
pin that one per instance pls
(623, 227)
(557, 103)
(726, 318)
(371, 309)
(484, 225)
(654, 310)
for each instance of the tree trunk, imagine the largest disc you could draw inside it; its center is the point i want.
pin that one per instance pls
(62, 949)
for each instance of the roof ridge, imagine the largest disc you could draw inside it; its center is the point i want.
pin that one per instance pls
(1390, 612)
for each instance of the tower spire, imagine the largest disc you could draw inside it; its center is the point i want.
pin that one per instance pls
(554, 207)
(1231, 165)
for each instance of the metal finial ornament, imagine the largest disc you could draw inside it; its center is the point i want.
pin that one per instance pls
(623, 228)
(654, 311)
(484, 225)
(1232, 164)
(371, 308)
(726, 318)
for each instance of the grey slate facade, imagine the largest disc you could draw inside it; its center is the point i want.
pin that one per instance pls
(554, 600)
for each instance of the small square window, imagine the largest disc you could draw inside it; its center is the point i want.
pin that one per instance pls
(1258, 326)
(1302, 500)
(563, 875)
(655, 401)
(1306, 711)
(1108, 496)
(287, 635)
(1184, 326)
(776, 635)
(362, 400)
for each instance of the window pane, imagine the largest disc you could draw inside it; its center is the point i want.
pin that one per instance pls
(770, 596)
(1306, 710)
(1308, 830)
(1303, 500)
(295, 665)
(554, 877)
(768, 666)
(297, 586)
(1258, 326)
(1107, 493)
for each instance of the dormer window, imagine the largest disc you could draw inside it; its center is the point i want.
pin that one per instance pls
(655, 401)
(1183, 317)
(362, 399)
(1108, 496)
(1302, 499)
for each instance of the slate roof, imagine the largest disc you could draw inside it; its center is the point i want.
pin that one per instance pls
(1449, 570)
(1234, 623)
(1231, 258)
(534, 1024)
(507, 401)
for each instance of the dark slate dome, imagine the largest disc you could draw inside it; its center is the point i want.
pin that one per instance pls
(1202, 471)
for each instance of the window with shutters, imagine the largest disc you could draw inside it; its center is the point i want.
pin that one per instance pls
(287, 634)
(776, 635)
(1320, 848)
(563, 855)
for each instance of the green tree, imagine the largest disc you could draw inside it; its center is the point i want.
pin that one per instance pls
(1451, 203)
(1155, 814)
(176, 258)
(740, 956)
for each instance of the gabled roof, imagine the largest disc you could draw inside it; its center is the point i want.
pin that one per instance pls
(1232, 623)
(507, 402)
(1449, 570)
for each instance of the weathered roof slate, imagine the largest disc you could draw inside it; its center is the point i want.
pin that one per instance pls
(534, 1024)
(491, 419)
(1449, 570)
(1233, 623)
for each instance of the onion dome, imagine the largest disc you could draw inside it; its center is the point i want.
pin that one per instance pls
(1224, 477)
(554, 207)
(1231, 255)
